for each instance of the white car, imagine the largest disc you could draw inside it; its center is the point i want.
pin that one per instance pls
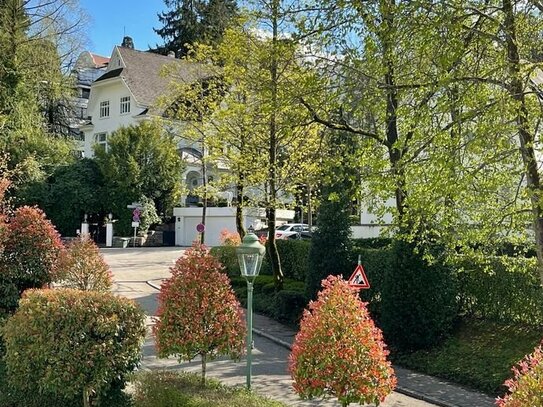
(290, 229)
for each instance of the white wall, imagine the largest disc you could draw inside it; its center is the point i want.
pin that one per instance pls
(113, 90)
(217, 219)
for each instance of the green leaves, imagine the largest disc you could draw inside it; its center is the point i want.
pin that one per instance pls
(63, 341)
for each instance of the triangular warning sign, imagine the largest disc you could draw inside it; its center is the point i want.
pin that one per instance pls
(358, 279)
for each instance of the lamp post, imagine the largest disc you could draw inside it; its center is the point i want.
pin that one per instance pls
(250, 254)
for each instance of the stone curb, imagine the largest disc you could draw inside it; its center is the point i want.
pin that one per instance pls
(399, 389)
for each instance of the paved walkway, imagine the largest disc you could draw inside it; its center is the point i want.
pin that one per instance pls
(423, 387)
(137, 275)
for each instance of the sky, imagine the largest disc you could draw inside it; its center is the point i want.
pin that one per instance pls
(111, 20)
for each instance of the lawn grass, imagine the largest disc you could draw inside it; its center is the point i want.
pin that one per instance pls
(480, 355)
(172, 389)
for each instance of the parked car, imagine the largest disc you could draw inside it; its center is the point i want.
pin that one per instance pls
(292, 231)
(301, 236)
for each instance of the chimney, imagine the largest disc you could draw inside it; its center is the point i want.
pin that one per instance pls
(171, 54)
(128, 42)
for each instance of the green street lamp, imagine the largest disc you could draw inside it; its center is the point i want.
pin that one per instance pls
(250, 254)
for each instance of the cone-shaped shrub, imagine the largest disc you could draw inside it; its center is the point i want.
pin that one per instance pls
(30, 258)
(66, 344)
(198, 311)
(82, 266)
(526, 386)
(338, 351)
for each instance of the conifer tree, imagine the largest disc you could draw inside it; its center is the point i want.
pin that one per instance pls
(189, 21)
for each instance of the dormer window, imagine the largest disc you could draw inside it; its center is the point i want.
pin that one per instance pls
(125, 104)
(104, 109)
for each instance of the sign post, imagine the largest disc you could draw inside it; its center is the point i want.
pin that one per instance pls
(136, 221)
(358, 279)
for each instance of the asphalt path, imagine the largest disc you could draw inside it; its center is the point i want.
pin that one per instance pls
(136, 270)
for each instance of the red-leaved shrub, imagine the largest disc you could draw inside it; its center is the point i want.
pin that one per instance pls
(32, 248)
(228, 238)
(526, 386)
(198, 313)
(82, 266)
(338, 351)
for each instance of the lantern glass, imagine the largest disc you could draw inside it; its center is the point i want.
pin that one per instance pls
(250, 264)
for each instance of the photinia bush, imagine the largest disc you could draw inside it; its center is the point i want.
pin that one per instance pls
(228, 238)
(64, 343)
(526, 386)
(82, 266)
(198, 311)
(339, 351)
(32, 248)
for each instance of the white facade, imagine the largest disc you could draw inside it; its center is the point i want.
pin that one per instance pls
(218, 219)
(109, 91)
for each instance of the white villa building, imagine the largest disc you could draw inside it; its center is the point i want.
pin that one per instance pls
(124, 90)
(126, 93)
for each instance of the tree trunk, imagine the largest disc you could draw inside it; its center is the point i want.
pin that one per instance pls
(395, 151)
(309, 207)
(526, 137)
(239, 209)
(86, 397)
(204, 362)
(272, 247)
(204, 184)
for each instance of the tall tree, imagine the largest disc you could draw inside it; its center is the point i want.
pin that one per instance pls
(257, 127)
(140, 161)
(190, 21)
(37, 40)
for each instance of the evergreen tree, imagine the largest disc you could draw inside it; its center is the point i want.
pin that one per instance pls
(330, 252)
(191, 21)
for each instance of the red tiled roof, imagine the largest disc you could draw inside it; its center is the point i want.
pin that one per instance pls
(99, 61)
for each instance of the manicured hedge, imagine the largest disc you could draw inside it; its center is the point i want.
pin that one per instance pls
(500, 288)
(505, 289)
(286, 305)
(376, 263)
(293, 253)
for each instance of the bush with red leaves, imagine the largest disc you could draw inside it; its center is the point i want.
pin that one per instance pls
(526, 387)
(32, 248)
(338, 351)
(199, 314)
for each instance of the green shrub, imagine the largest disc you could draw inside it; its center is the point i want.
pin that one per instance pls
(418, 300)
(30, 256)
(81, 266)
(289, 306)
(371, 243)
(73, 190)
(66, 344)
(172, 389)
(501, 288)
(227, 257)
(294, 258)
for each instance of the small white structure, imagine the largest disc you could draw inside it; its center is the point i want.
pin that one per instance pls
(217, 219)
